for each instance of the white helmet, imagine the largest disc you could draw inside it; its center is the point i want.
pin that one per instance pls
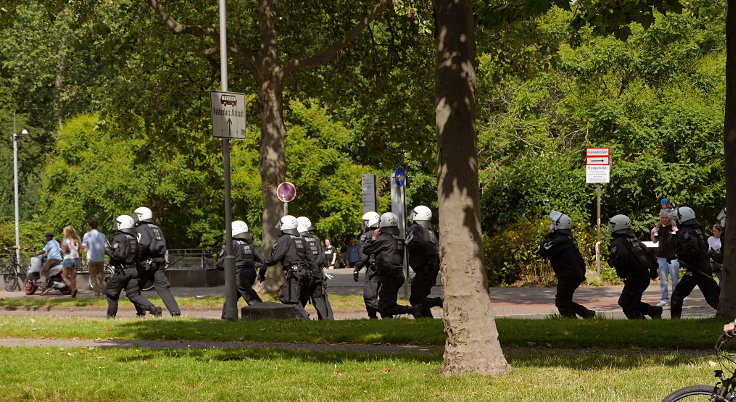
(682, 214)
(421, 213)
(239, 227)
(287, 222)
(370, 219)
(389, 219)
(124, 223)
(303, 224)
(560, 221)
(619, 222)
(143, 214)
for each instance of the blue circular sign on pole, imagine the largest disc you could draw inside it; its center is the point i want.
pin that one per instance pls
(400, 177)
(286, 192)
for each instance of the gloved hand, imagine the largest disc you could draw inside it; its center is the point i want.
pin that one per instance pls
(261, 278)
(356, 275)
(324, 272)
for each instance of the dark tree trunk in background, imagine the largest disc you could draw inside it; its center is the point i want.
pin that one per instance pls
(727, 303)
(472, 339)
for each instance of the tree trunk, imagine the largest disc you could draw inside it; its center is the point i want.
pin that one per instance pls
(273, 170)
(472, 339)
(727, 302)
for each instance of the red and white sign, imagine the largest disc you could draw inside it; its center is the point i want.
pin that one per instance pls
(598, 165)
(286, 192)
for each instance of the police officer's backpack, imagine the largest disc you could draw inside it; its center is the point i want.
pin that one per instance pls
(644, 256)
(157, 248)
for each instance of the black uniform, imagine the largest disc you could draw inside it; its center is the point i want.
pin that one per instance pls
(291, 251)
(123, 252)
(318, 281)
(563, 253)
(152, 249)
(246, 256)
(635, 265)
(424, 259)
(371, 285)
(388, 250)
(692, 252)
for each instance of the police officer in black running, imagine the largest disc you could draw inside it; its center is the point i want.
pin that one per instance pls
(123, 253)
(692, 252)
(635, 265)
(246, 256)
(291, 251)
(317, 281)
(371, 285)
(152, 249)
(563, 253)
(424, 259)
(387, 247)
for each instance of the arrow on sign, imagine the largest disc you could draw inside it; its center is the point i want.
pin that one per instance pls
(229, 127)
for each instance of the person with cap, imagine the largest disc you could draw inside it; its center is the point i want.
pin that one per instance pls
(561, 248)
(317, 283)
(290, 250)
(153, 254)
(635, 265)
(692, 252)
(424, 259)
(371, 284)
(52, 249)
(123, 252)
(387, 247)
(247, 256)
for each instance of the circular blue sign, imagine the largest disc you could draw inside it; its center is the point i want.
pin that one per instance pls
(400, 177)
(286, 192)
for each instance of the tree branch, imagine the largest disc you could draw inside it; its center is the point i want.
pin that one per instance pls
(330, 53)
(196, 30)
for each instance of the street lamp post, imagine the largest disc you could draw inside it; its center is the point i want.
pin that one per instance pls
(15, 187)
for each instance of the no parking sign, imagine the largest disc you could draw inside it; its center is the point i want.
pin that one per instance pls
(286, 192)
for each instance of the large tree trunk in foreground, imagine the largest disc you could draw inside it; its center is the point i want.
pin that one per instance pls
(727, 303)
(472, 339)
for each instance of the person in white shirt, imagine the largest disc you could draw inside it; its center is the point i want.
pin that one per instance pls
(94, 241)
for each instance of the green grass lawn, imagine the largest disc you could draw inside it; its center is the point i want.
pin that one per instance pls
(549, 333)
(274, 375)
(338, 302)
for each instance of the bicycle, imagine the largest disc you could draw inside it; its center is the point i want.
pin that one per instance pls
(723, 390)
(13, 271)
(107, 271)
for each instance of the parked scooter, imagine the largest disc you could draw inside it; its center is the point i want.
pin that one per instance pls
(53, 276)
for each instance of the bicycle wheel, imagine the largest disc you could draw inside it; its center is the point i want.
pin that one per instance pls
(10, 278)
(691, 393)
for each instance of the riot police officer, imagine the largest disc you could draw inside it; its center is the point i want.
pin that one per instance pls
(291, 251)
(635, 265)
(561, 248)
(123, 253)
(317, 281)
(152, 259)
(371, 284)
(246, 256)
(424, 259)
(387, 247)
(692, 252)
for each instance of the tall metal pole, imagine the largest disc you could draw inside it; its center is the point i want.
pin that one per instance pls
(231, 306)
(15, 191)
(598, 222)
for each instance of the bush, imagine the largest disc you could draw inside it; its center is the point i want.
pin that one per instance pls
(511, 254)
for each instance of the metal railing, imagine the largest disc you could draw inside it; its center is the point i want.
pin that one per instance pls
(192, 258)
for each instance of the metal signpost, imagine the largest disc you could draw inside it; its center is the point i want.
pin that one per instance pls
(370, 195)
(228, 121)
(398, 206)
(598, 170)
(16, 137)
(286, 193)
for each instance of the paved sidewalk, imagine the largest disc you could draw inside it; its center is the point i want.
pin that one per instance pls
(506, 301)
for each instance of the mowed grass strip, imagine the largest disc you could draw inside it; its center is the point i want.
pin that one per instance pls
(549, 333)
(32, 302)
(275, 375)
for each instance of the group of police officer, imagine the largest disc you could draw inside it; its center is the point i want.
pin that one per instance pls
(137, 252)
(633, 262)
